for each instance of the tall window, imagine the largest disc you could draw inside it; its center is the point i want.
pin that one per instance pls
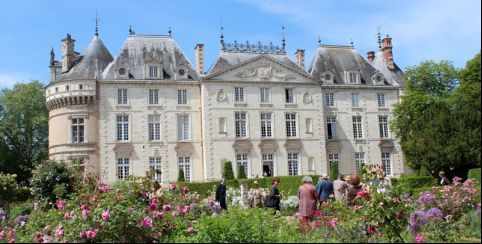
(353, 77)
(240, 124)
(354, 100)
(269, 162)
(331, 127)
(155, 167)
(122, 127)
(291, 125)
(242, 159)
(264, 95)
(266, 125)
(77, 130)
(381, 100)
(182, 96)
(333, 159)
(383, 122)
(183, 127)
(357, 127)
(387, 166)
(239, 94)
(121, 96)
(154, 127)
(292, 164)
(153, 71)
(289, 95)
(185, 165)
(67, 87)
(329, 100)
(359, 160)
(122, 168)
(222, 125)
(153, 96)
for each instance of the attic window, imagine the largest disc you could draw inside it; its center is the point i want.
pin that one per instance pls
(182, 72)
(327, 77)
(353, 77)
(122, 71)
(153, 72)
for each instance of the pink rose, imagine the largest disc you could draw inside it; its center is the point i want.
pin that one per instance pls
(59, 232)
(334, 222)
(85, 213)
(92, 233)
(46, 239)
(69, 215)
(186, 209)
(106, 215)
(101, 183)
(158, 214)
(190, 230)
(146, 222)
(158, 234)
(172, 187)
(105, 188)
(60, 204)
(185, 190)
(2, 234)
(419, 238)
(166, 207)
(95, 198)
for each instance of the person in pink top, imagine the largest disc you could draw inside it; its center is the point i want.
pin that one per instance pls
(307, 199)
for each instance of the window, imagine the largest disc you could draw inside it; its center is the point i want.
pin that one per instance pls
(122, 127)
(182, 127)
(239, 94)
(268, 164)
(266, 125)
(153, 72)
(121, 96)
(357, 127)
(381, 100)
(242, 159)
(77, 130)
(354, 100)
(81, 87)
(240, 124)
(56, 89)
(185, 165)
(289, 96)
(155, 168)
(154, 127)
(329, 100)
(359, 160)
(222, 125)
(264, 95)
(353, 78)
(387, 166)
(331, 127)
(291, 125)
(333, 159)
(292, 164)
(309, 125)
(153, 96)
(67, 87)
(182, 96)
(122, 168)
(383, 122)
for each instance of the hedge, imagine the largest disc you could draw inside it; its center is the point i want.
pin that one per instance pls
(474, 174)
(411, 182)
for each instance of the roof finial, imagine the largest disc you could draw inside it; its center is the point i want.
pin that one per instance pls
(222, 35)
(52, 57)
(319, 40)
(283, 40)
(170, 32)
(131, 32)
(96, 23)
(351, 42)
(379, 39)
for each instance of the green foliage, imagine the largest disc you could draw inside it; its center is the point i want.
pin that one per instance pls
(474, 174)
(241, 172)
(8, 189)
(411, 182)
(228, 170)
(333, 171)
(180, 176)
(431, 78)
(23, 129)
(51, 180)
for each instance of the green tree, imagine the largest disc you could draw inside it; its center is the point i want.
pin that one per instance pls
(23, 129)
(431, 78)
(333, 170)
(180, 176)
(228, 171)
(241, 172)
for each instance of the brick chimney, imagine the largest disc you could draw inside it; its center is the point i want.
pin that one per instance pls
(371, 56)
(387, 53)
(199, 50)
(68, 53)
(300, 58)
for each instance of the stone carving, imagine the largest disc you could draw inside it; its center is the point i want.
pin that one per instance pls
(306, 97)
(264, 73)
(252, 48)
(221, 96)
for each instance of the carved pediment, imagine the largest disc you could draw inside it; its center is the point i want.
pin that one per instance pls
(242, 146)
(263, 72)
(334, 147)
(386, 145)
(293, 145)
(123, 150)
(184, 149)
(268, 146)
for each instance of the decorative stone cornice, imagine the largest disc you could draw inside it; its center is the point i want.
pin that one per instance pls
(293, 145)
(268, 146)
(252, 48)
(243, 146)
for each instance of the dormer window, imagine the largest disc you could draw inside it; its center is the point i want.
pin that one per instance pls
(327, 77)
(353, 78)
(153, 71)
(378, 79)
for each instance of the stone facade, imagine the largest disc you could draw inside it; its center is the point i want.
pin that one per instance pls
(149, 110)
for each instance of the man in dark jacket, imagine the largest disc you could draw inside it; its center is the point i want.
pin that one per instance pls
(221, 195)
(324, 189)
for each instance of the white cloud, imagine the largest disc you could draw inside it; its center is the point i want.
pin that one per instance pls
(8, 79)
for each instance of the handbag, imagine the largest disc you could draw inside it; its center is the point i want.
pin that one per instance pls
(268, 202)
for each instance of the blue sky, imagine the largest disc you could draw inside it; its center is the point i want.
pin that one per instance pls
(421, 30)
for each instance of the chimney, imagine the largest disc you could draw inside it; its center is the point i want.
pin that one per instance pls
(67, 53)
(387, 53)
(300, 58)
(199, 58)
(371, 56)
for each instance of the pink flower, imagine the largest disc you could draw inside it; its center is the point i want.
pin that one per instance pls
(190, 230)
(419, 238)
(106, 215)
(186, 209)
(146, 222)
(158, 234)
(371, 230)
(69, 215)
(158, 214)
(172, 187)
(92, 233)
(95, 198)
(166, 207)
(101, 183)
(174, 213)
(46, 239)
(85, 213)
(37, 236)
(185, 190)
(105, 188)
(85, 206)
(59, 232)
(334, 222)
(153, 203)
(2, 234)
(60, 204)
(362, 193)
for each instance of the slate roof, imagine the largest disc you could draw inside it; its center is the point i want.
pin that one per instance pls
(395, 78)
(90, 63)
(157, 49)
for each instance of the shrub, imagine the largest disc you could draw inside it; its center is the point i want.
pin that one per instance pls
(8, 189)
(334, 171)
(241, 172)
(410, 182)
(228, 171)
(474, 174)
(180, 176)
(51, 180)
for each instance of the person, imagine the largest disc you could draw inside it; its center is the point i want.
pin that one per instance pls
(307, 198)
(352, 191)
(275, 194)
(258, 199)
(339, 187)
(221, 195)
(156, 190)
(324, 189)
(443, 179)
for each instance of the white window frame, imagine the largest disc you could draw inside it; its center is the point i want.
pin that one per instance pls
(155, 164)
(290, 95)
(183, 127)
(122, 96)
(154, 127)
(269, 158)
(357, 127)
(240, 124)
(330, 99)
(153, 96)
(182, 96)
(153, 71)
(77, 129)
(123, 168)
(291, 125)
(122, 127)
(383, 126)
(264, 95)
(387, 163)
(266, 121)
(184, 163)
(239, 95)
(293, 163)
(353, 77)
(355, 101)
(359, 160)
(381, 100)
(243, 159)
(331, 123)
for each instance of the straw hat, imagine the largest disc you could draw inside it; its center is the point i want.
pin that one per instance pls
(255, 182)
(324, 176)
